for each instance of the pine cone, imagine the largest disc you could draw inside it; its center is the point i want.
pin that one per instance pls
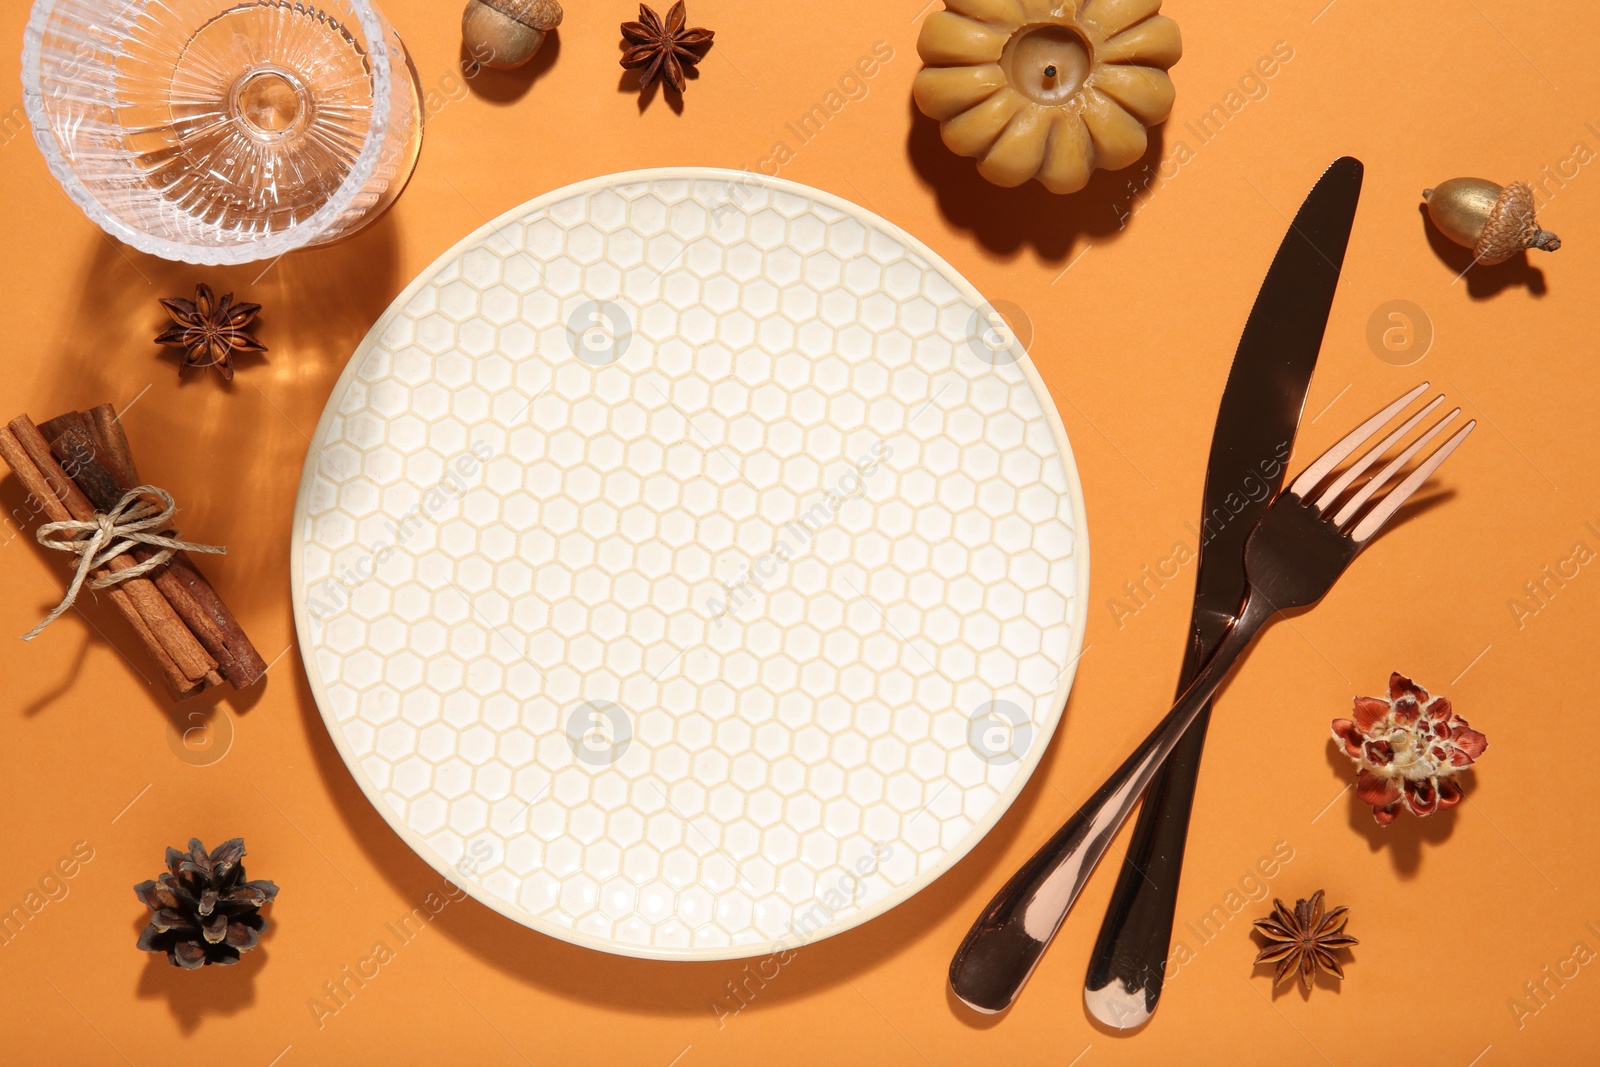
(205, 911)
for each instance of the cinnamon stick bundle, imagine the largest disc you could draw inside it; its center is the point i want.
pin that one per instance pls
(80, 464)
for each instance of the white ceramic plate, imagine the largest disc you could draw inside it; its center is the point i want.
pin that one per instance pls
(689, 564)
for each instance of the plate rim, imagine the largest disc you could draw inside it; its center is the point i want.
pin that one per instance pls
(900, 894)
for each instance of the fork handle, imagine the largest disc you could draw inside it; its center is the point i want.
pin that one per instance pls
(1128, 965)
(1004, 946)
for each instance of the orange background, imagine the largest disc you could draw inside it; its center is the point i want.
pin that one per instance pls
(1133, 329)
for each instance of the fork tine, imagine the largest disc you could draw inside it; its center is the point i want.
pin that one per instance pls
(1312, 476)
(1345, 480)
(1379, 480)
(1385, 508)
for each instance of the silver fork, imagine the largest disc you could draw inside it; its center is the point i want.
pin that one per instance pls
(1304, 541)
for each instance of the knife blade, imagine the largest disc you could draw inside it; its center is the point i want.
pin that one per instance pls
(1260, 411)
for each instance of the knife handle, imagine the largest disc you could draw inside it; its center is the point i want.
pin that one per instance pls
(1000, 952)
(1129, 961)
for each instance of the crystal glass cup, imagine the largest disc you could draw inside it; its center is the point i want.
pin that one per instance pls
(222, 131)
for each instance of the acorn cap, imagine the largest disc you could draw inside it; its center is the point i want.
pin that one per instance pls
(1513, 227)
(537, 14)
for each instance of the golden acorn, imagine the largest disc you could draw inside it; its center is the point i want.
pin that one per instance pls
(506, 33)
(1495, 223)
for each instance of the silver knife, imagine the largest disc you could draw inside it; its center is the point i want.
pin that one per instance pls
(1261, 408)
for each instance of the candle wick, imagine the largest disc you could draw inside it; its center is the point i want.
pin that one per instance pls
(1050, 71)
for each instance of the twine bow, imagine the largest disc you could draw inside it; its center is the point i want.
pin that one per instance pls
(136, 520)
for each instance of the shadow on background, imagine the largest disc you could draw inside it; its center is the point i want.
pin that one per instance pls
(509, 86)
(628, 85)
(1482, 282)
(191, 996)
(1006, 220)
(1406, 838)
(316, 306)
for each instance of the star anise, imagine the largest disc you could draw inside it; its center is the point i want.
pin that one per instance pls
(1303, 940)
(210, 330)
(663, 48)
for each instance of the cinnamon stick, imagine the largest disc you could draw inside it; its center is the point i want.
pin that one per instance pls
(61, 424)
(75, 451)
(191, 596)
(35, 483)
(169, 630)
(111, 444)
(112, 441)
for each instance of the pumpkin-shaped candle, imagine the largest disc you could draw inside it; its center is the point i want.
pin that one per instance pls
(1047, 89)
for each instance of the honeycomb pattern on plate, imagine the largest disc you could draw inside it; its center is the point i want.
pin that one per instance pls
(688, 565)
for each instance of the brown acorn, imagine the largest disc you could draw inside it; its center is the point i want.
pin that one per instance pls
(1495, 223)
(506, 33)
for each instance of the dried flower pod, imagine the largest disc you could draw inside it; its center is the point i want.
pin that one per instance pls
(506, 33)
(1409, 747)
(1495, 223)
